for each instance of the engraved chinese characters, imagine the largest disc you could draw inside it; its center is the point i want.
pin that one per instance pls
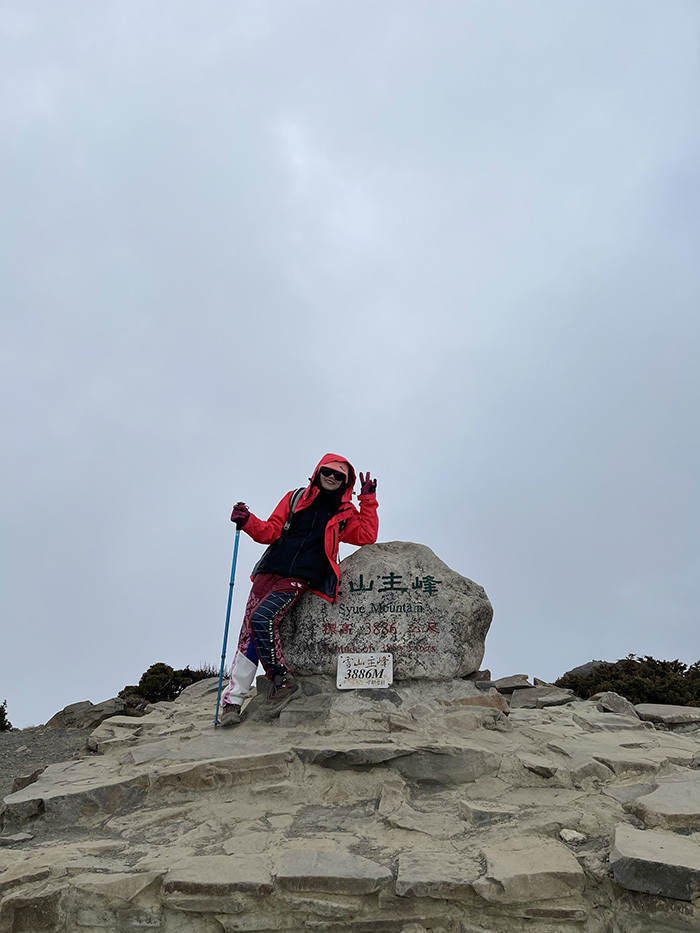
(396, 597)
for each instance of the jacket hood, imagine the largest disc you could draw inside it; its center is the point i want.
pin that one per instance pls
(333, 458)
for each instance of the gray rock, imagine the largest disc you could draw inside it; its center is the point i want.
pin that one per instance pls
(436, 874)
(444, 764)
(479, 676)
(466, 805)
(221, 772)
(610, 702)
(655, 862)
(124, 886)
(15, 839)
(56, 799)
(24, 873)
(397, 597)
(34, 909)
(514, 682)
(25, 780)
(573, 837)
(338, 754)
(541, 697)
(86, 715)
(666, 714)
(332, 871)
(217, 876)
(526, 869)
(480, 812)
(672, 805)
(624, 793)
(437, 825)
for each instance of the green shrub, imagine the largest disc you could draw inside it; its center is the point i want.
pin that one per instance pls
(5, 724)
(640, 680)
(162, 682)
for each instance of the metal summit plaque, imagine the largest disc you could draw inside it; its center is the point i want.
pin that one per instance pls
(363, 671)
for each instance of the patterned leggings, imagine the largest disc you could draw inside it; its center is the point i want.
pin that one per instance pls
(271, 598)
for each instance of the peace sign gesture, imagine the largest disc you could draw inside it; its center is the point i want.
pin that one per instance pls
(367, 484)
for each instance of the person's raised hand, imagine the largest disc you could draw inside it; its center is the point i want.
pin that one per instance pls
(367, 484)
(240, 514)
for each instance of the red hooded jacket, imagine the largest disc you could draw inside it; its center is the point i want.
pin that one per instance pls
(347, 525)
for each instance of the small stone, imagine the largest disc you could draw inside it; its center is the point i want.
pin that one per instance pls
(572, 837)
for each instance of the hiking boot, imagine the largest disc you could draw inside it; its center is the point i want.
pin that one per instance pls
(282, 689)
(231, 715)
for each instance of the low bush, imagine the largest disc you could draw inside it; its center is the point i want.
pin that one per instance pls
(5, 724)
(640, 680)
(162, 682)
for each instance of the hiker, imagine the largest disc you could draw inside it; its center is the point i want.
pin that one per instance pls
(303, 532)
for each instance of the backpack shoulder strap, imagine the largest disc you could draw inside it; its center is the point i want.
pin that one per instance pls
(293, 503)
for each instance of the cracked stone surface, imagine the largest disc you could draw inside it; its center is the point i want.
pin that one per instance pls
(402, 810)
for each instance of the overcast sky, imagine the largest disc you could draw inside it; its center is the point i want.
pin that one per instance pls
(456, 242)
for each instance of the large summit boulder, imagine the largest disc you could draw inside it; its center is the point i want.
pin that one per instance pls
(395, 597)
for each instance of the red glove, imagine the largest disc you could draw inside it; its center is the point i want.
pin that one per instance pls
(368, 485)
(240, 514)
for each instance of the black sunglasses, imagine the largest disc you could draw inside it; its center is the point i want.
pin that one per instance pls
(336, 474)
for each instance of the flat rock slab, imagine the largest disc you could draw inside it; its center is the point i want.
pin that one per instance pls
(59, 801)
(124, 886)
(667, 715)
(526, 869)
(15, 839)
(396, 597)
(540, 697)
(436, 874)
(221, 772)
(339, 754)
(218, 876)
(514, 682)
(24, 873)
(655, 862)
(673, 805)
(306, 868)
(447, 764)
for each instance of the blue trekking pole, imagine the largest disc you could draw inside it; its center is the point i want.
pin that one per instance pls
(228, 616)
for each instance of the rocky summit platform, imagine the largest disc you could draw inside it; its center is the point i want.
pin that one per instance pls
(452, 807)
